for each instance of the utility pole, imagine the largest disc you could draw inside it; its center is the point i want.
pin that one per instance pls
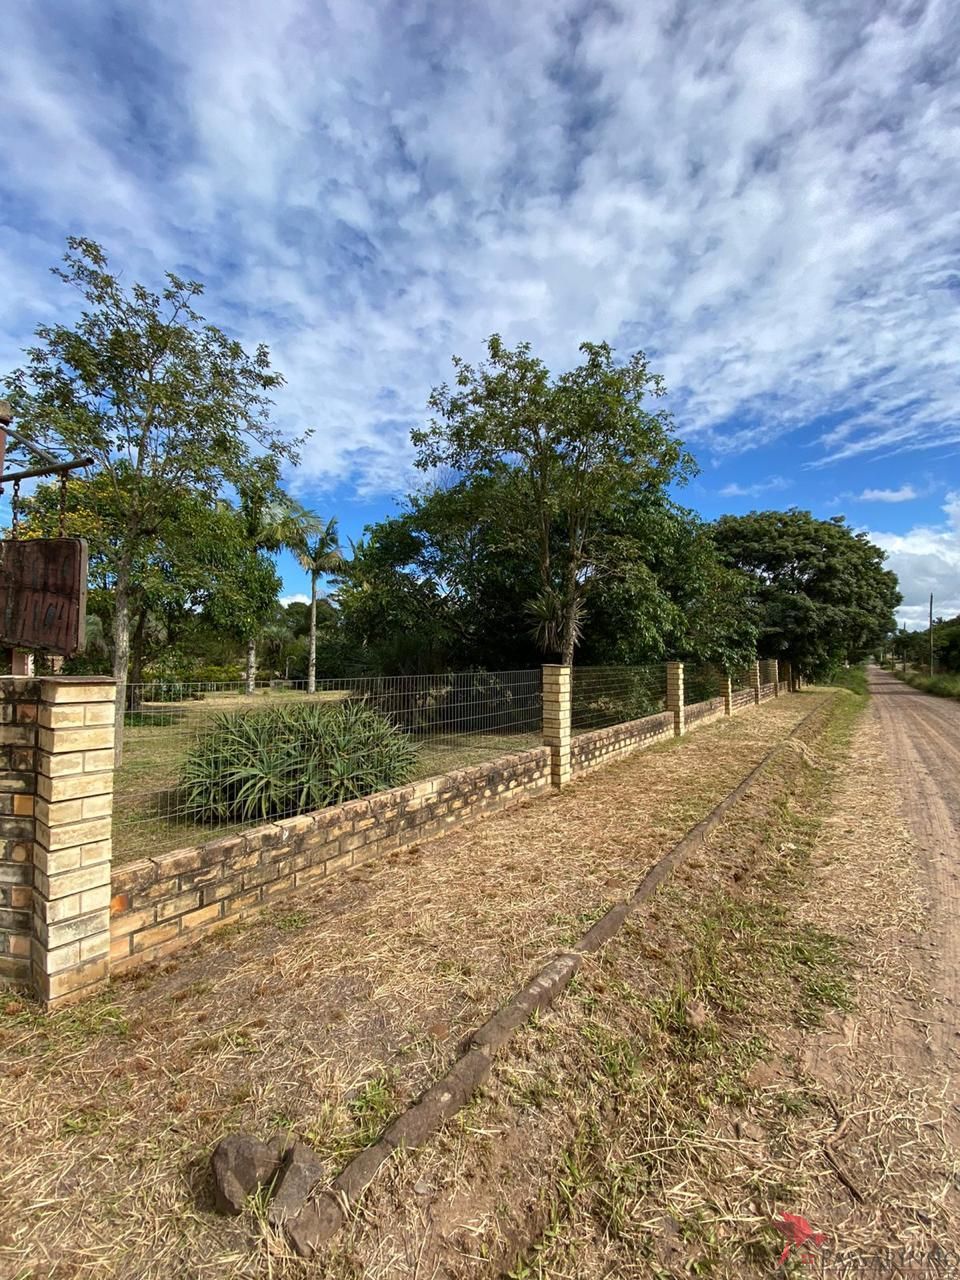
(931, 635)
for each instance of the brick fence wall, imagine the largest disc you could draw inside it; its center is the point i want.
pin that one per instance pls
(703, 712)
(590, 750)
(743, 698)
(164, 903)
(68, 918)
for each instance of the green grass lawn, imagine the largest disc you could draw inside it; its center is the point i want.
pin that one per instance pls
(148, 815)
(852, 678)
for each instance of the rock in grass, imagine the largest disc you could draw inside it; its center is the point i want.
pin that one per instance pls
(302, 1170)
(242, 1165)
(697, 1017)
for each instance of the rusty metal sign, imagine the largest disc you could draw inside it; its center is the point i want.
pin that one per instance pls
(43, 594)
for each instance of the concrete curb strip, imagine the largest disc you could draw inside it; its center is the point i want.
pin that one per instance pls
(321, 1217)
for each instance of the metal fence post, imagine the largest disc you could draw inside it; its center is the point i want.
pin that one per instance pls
(557, 682)
(675, 695)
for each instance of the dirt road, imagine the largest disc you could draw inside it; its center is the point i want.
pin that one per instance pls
(923, 740)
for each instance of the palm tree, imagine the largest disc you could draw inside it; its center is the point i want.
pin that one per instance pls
(273, 521)
(318, 552)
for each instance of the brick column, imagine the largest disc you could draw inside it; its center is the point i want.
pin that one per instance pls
(675, 695)
(72, 842)
(755, 682)
(18, 740)
(556, 722)
(786, 675)
(770, 674)
(726, 692)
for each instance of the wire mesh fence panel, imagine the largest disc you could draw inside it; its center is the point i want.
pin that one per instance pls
(701, 681)
(741, 678)
(203, 759)
(605, 696)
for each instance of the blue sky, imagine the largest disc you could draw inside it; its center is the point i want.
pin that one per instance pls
(764, 196)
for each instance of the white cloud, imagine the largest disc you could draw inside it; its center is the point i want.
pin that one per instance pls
(763, 196)
(906, 493)
(771, 485)
(927, 558)
(295, 599)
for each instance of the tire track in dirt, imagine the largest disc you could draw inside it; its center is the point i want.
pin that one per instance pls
(922, 734)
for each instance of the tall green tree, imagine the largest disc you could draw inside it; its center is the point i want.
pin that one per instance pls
(819, 589)
(319, 553)
(162, 401)
(569, 445)
(200, 562)
(273, 521)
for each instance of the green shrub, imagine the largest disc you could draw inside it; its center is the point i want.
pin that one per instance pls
(941, 686)
(284, 760)
(165, 690)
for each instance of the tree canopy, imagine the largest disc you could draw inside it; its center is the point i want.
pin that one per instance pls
(819, 591)
(164, 402)
(566, 448)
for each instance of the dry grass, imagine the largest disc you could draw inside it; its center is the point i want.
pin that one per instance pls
(321, 1021)
(754, 1045)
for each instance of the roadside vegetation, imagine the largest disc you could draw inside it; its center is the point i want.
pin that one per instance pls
(941, 686)
(853, 678)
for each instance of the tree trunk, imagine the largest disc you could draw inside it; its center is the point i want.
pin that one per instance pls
(121, 654)
(251, 665)
(136, 662)
(569, 617)
(312, 652)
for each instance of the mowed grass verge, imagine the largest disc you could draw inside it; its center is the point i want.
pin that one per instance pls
(322, 1020)
(735, 1054)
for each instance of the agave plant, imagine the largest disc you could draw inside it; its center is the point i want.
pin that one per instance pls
(280, 761)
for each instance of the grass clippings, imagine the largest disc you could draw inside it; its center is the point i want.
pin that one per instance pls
(754, 1046)
(320, 1022)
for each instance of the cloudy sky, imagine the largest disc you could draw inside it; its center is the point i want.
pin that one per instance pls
(765, 196)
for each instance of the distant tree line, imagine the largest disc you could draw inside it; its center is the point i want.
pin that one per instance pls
(547, 526)
(913, 647)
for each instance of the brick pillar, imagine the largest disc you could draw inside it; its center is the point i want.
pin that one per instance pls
(675, 695)
(769, 674)
(755, 682)
(556, 722)
(18, 740)
(726, 692)
(786, 675)
(72, 842)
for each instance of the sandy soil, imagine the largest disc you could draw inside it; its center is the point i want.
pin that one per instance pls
(922, 735)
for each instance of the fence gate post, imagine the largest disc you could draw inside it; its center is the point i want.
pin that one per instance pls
(556, 722)
(755, 682)
(72, 845)
(675, 695)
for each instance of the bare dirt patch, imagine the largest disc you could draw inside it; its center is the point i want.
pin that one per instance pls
(321, 1022)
